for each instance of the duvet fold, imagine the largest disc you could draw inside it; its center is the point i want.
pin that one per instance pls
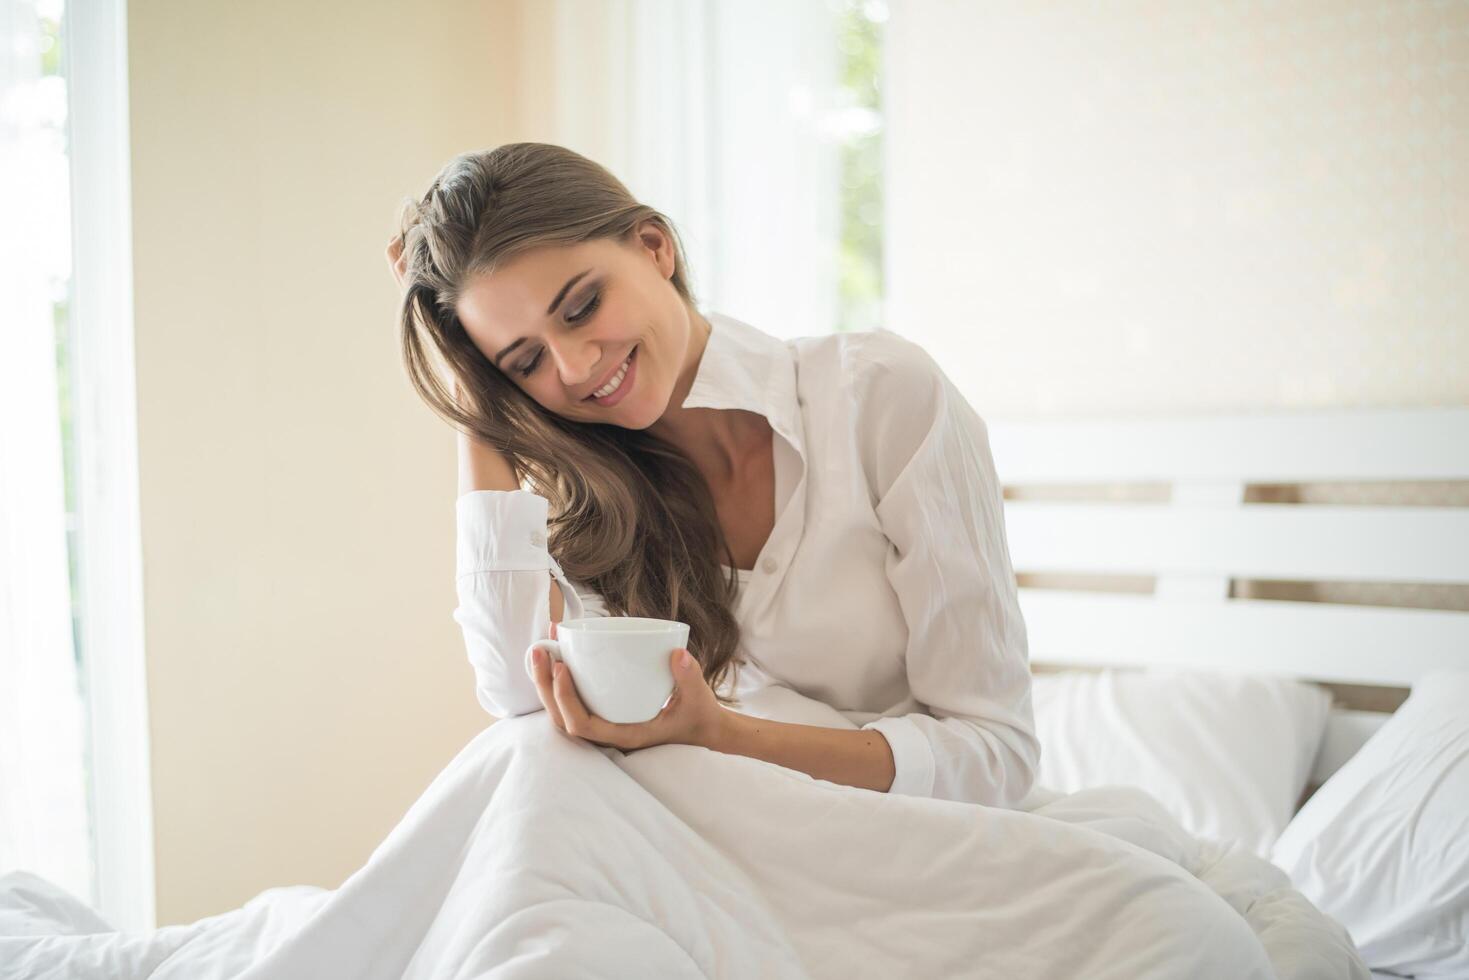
(533, 854)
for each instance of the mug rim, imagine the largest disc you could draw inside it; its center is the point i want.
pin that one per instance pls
(669, 625)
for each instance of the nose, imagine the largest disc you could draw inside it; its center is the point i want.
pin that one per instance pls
(575, 360)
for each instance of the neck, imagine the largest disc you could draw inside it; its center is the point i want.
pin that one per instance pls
(717, 440)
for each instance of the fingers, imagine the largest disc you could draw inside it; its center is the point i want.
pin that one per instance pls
(575, 714)
(578, 720)
(680, 678)
(541, 671)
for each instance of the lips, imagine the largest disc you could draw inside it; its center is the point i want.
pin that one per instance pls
(610, 375)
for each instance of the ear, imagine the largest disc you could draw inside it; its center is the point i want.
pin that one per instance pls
(658, 245)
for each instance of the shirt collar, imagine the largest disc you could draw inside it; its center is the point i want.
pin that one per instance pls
(745, 368)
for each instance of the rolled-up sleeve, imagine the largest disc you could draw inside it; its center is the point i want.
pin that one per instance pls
(939, 502)
(504, 593)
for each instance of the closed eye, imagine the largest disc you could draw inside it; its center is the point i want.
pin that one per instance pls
(580, 316)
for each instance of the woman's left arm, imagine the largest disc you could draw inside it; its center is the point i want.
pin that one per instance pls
(693, 716)
(853, 758)
(927, 459)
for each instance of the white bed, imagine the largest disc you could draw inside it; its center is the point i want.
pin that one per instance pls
(731, 867)
(1138, 541)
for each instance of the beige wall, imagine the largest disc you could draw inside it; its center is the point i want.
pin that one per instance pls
(1157, 207)
(306, 681)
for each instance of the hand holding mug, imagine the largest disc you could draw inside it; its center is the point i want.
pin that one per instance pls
(691, 715)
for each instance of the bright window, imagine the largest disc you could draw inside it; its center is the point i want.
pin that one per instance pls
(75, 789)
(45, 820)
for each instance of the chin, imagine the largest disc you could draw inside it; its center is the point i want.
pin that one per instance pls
(635, 420)
(645, 413)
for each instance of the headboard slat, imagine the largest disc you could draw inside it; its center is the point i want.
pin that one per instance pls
(1273, 447)
(1316, 641)
(1260, 541)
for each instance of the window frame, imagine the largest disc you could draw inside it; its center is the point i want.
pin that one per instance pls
(109, 562)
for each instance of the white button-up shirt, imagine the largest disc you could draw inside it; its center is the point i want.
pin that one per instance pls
(885, 589)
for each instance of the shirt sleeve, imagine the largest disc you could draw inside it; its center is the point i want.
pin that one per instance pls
(939, 502)
(504, 593)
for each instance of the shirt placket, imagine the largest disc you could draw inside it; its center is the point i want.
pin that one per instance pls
(775, 557)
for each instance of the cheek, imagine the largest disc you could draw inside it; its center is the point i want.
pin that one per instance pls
(550, 395)
(535, 388)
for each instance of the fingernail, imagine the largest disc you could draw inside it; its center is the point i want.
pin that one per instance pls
(685, 660)
(536, 656)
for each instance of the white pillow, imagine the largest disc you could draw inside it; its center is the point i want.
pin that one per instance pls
(1383, 845)
(1228, 755)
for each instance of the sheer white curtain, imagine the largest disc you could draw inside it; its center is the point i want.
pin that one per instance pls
(776, 176)
(44, 825)
(721, 114)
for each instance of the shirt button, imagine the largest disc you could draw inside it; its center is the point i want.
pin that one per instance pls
(538, 539)
(769, 565)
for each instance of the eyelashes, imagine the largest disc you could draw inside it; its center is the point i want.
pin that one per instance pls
(584, 313)
(589, 309)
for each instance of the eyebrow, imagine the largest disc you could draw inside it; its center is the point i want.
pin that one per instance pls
(549, 311)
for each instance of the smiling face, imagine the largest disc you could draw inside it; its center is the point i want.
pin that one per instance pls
(561, 321)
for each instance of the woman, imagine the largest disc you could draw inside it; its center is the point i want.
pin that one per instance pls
(850, 490)
(822, 512)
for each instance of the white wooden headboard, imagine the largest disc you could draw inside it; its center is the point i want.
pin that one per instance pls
(1205, 534)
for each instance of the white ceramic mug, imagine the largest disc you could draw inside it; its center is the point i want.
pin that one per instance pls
(621, 665)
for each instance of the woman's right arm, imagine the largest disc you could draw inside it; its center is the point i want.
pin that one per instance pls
(502, 578)
(503, 571)
(482, 468)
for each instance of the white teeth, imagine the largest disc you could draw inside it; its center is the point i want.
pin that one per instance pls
(615, 383)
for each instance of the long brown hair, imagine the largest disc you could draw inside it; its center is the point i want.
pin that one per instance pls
(629, 514)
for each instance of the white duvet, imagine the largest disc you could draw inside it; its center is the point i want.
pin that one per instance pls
(537, 855)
